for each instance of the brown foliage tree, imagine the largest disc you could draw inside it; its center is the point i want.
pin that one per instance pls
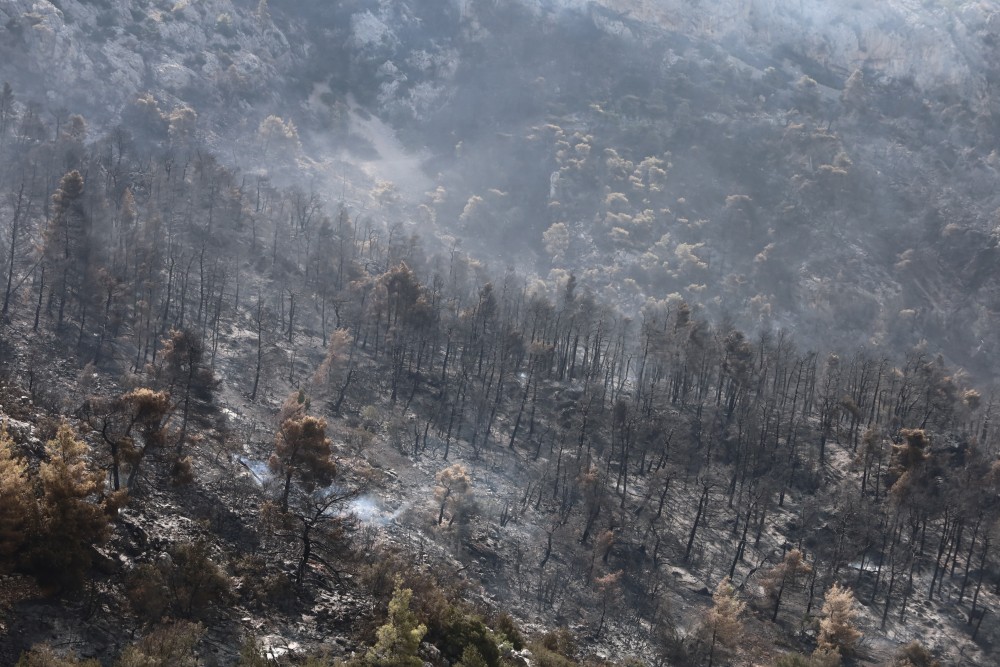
(44, 656)
(170, 644)
(914, 654)
(16, 501)
(907, 458)
(723, 624)
(302, 449)
(452, 484)
(72, 514)
(784, 575)
(131, 425)
(837, 633)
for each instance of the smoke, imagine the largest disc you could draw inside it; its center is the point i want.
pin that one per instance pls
(393, 100)
(369, 510)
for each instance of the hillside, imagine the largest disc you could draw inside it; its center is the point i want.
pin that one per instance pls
(614, 332)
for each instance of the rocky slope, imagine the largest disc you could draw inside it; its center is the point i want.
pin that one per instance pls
(821, 168)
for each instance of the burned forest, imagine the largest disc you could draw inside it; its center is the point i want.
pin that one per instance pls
(535, 333)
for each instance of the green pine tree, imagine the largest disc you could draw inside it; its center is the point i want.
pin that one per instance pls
(399, 639)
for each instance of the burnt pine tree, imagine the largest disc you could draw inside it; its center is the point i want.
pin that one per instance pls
(7, 114)
(17, 246)
(785, 575)
(130, 425)
(321, 528)
(189, 381)
(302, 449)
(453, 484)
(67, 245)
(722, 624)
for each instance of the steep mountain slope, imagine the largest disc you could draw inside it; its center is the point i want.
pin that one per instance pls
(598, 302)
(796, 187)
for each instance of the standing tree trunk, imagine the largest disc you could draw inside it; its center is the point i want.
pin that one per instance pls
(260, 348)
(702, 506)
(14, 225)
